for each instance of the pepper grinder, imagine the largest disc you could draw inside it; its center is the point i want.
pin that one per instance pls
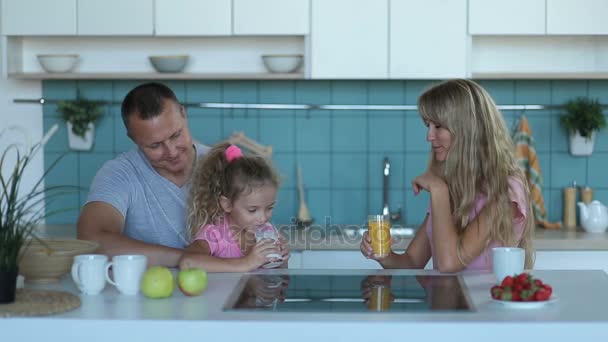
(570, 207)
(586, 195)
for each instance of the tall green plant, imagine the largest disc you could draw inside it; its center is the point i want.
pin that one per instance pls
(21, 212)
(583, 115)
(80, 113)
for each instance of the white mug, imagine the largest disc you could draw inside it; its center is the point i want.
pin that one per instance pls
(88, 272)
(128, 271)
(507, 261)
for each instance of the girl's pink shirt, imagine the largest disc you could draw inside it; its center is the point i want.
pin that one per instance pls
(484, 261)
(220, 239)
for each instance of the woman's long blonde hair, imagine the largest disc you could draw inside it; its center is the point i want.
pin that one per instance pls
(480, 160)
(214, 176)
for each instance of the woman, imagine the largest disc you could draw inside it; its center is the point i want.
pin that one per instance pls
(478, 194)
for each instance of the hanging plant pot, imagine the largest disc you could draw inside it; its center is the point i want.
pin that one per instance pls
(581, 146)
(8, 284)
(79, 143)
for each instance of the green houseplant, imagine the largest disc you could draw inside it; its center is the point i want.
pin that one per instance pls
(582, 119)
(80, 116)
(19, 212)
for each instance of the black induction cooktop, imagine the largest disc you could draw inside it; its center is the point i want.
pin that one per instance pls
(349, 293)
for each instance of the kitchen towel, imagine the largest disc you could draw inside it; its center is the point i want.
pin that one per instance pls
(528, 161)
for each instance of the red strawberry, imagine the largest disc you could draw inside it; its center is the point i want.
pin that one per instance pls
(547, 288)
(542, 295)
(507, 282)
(527, 295)
(522, 278)
(538, 282)
(516, 296)
(496, 291)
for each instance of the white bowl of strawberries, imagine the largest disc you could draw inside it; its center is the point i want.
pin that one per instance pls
(522, 291)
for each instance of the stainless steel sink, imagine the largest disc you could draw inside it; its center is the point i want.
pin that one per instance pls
(350, 231)
(401, 232)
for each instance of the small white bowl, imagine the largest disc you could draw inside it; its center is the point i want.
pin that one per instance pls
(172, 63)
(282, 63)
(58, 63)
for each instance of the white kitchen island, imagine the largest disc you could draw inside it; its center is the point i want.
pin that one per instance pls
(580, 313)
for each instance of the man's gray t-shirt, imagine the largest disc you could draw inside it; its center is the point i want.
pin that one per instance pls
(153, 207)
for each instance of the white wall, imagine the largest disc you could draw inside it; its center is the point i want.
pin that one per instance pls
(28, 116)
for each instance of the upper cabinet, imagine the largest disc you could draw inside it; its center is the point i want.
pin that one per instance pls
(115, 17)
(271, 17)
(419, 48)
(580, 17)
(512, 17)
(349, 39)
(193, 17)
(38, 17)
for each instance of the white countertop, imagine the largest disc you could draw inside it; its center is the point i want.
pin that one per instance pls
(544, 240)
(579, 313)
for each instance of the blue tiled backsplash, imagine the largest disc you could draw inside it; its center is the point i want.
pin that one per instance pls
(341, 152)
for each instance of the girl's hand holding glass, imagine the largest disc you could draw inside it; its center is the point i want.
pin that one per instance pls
(284, 248)
(264, 252)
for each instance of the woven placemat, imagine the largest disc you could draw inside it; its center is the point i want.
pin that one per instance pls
(29, 302)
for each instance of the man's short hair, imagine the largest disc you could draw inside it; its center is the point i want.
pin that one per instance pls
(146, 101)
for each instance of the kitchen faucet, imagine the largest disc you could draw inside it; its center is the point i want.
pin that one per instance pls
(396, 216)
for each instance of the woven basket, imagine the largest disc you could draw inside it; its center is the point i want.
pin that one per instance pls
(46, 262)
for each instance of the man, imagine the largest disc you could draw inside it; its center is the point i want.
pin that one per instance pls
(137, 201)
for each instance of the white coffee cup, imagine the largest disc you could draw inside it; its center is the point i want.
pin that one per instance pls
(128, 271)
(88, 272)
(507, 261)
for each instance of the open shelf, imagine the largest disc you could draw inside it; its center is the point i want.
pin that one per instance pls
(153, 76)
(540, 75)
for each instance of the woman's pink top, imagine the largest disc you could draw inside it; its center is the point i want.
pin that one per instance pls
(220, 239)
(517, 196)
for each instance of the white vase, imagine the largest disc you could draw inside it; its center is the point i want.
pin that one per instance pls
(581, 146)
(79, 143)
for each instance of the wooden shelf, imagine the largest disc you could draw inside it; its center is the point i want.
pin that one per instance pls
(541, 75)
(155, 76)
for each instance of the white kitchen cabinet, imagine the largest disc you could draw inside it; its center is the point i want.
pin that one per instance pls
(580, 17)
(38, 17)
(271, 17)
(337, 260)
(295, 260)
(193, 17)
(349, 39)
(512, 17)
(340, 259)
(115, 17)
(428, 39)
(571, 260)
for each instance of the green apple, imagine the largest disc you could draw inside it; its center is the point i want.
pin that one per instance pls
(157, 282)
(192, 281)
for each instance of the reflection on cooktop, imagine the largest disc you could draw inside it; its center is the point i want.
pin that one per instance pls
(349, 293)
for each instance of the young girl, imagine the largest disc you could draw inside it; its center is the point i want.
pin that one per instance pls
(478, 194)
(232, 198)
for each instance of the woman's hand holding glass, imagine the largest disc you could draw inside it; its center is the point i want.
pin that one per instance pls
(366, 248)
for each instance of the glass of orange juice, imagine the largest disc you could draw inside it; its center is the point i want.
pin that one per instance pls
(379, 227)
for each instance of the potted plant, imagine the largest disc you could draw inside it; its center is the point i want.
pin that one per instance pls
(80, 116)
(583, 118)
(19, 212)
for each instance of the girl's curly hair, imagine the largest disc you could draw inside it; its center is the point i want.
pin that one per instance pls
(214, 177)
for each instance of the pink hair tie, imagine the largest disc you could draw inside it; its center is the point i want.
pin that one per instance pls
(233, 152)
